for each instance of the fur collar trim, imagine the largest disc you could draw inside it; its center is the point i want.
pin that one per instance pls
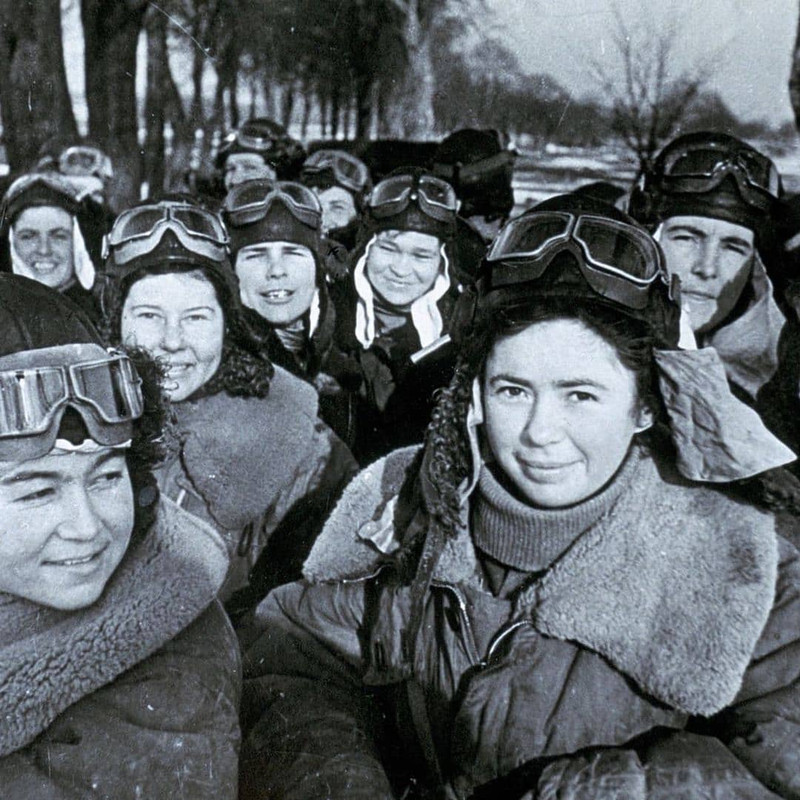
(674, 587)
(240, 452)
(51, 659)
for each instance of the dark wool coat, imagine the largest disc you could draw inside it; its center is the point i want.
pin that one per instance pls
(394, 395)
(657, 658)
(135, 696)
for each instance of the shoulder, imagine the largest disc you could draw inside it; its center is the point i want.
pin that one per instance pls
(360, 531)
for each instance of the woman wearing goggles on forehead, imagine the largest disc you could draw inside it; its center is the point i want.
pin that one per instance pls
(50, 234)
(341, 182)
(251, 455)
(711, 202)
(277, 251)
(398, 303)
(557, 595)
(119, 670)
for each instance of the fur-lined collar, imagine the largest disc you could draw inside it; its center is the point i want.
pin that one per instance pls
(239, 452)
(674, 588)
(51, 659)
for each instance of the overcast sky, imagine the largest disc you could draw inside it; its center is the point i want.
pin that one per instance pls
(749, 42)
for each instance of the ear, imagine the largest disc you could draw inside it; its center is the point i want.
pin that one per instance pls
(644, 419)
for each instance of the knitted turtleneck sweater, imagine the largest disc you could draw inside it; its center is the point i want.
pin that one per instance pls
(515, 540)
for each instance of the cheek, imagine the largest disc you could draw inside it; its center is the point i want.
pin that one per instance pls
(208, 344)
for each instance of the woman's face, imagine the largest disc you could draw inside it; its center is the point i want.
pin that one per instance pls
(403, 265)
(178, 319)
(277, 279)
(560, 411)
(65, 524)
(338, 207)
(43, 239)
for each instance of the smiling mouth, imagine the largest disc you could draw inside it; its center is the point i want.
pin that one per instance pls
(175, 370)
(76, 562)
(45, 266)
(277, 295)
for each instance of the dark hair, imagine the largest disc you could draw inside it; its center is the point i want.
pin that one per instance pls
(148, 445)
(245, 370)
(450, 457)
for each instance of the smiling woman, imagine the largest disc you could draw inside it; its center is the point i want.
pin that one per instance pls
(107, 590)
(250, 454)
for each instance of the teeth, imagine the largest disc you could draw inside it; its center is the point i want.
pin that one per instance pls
(73, 562)
(277, 294)
(44, 266)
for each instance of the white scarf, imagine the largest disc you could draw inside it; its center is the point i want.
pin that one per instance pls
(425, 314)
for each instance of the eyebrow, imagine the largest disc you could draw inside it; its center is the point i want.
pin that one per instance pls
(703, 235)
(571, 383)
(43, 474)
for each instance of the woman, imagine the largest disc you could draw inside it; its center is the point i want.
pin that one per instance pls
(341, 182)
(43, 229)
(119, 672)
(251, 454)
(276, 247)
(546, 601)
(394, 310)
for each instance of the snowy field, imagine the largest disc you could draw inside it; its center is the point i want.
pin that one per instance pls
(556, 169)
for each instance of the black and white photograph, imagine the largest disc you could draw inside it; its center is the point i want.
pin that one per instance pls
(399, 400)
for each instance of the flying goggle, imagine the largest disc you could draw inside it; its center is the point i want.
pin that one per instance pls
(249, 202)
(347, 170)
(138, 231)
(84, 160)
(258, 136)
(703, 166)
(468, 174)
(106, 392)
(435, 197)
(617, 260)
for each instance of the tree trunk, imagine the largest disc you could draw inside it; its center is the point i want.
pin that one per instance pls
(34, 97)
(288, 104)
(111, 32)
(156, 27)
(415, 99)
(363, 107)
(794, 79)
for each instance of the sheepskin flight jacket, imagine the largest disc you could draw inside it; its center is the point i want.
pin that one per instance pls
(657, 657)
(134, 696)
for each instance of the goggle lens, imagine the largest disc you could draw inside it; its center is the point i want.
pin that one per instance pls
(615, 249)
(30, 398)
(250, 201)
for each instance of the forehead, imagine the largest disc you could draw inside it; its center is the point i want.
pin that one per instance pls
(174, 290)
(555, 351)
(245, 160)
(334, 194)
(275, 249)
(43, 218)
(711, 226)
(410, 239)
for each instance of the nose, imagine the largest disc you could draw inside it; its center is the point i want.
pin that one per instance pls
(706, 265)
(43, 245)
(544, 425)
(172, 337)
(275, 266)
(81, 521)
(400, 265)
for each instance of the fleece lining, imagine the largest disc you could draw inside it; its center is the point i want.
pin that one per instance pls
(50, 659)
(674, 586)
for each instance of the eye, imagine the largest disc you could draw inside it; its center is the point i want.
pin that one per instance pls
(61, 236)
(26, 236)
(739, 249)
(582, 397)
(148, 315)
(44, 493)
(198, 317)
(108, 479)
(511, 393)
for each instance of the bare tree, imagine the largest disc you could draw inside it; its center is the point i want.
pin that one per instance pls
(649, 95)
(794, 78)
(33, 84)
